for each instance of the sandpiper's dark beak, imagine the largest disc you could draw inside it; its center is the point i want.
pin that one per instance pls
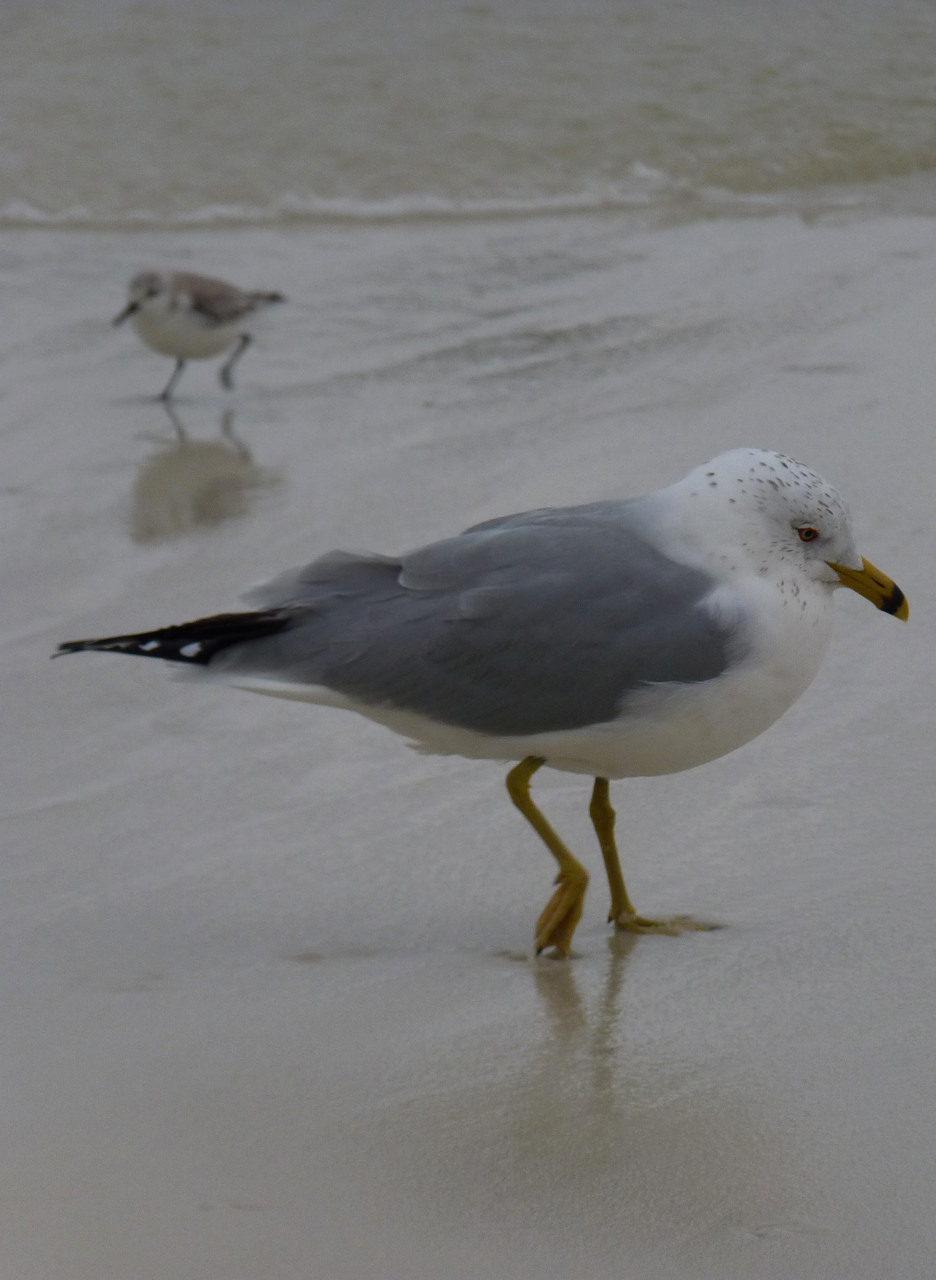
(128, 311)
(874, 586)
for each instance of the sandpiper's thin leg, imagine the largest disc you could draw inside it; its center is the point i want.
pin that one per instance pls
(175, 420)
(623, 913)
(167, 390)
(556, 925)
(226, 374)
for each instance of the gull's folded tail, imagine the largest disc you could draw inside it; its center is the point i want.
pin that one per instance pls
(197, 641)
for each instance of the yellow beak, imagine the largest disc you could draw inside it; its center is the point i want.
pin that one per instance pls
(874, 586)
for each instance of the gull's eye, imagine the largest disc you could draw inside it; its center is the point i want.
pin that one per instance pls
(807, 533)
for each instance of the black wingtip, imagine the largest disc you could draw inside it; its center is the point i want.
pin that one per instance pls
(193, 642)
(69, 646)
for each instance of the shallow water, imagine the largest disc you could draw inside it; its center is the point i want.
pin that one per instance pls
(266, 993)
(176, 113)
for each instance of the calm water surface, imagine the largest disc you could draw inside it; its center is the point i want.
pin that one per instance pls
(173, 113)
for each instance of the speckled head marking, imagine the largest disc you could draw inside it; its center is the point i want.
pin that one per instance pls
(772, 509)
(768, 481)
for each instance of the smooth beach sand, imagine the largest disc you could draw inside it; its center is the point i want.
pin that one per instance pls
(267, 999)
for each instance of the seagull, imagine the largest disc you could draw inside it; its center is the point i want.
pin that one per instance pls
(622, 638)
(191, 317)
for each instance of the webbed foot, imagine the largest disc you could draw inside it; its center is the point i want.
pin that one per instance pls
(563, 911)
(631, 922)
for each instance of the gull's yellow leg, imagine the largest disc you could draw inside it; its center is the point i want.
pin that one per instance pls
(556, 925)
(602, 816)
(623, 913)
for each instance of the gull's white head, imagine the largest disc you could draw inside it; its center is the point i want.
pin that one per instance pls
(776, 515)
(776, 508)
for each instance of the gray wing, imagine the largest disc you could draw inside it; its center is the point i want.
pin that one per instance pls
(536, 623)
(217, 301)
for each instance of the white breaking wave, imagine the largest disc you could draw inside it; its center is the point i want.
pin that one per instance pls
(646, 191)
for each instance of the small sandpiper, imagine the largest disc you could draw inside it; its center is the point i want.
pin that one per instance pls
(192, 317)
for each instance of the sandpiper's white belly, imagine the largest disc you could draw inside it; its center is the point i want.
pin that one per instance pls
(183, 334)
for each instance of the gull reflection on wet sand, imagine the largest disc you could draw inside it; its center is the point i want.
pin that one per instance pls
(581, 1116)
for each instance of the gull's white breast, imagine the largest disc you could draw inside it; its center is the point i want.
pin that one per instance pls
(665, 728)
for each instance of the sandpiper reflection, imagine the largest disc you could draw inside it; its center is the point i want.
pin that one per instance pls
(190, 483)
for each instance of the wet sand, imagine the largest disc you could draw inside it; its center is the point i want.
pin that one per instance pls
(267, 997)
